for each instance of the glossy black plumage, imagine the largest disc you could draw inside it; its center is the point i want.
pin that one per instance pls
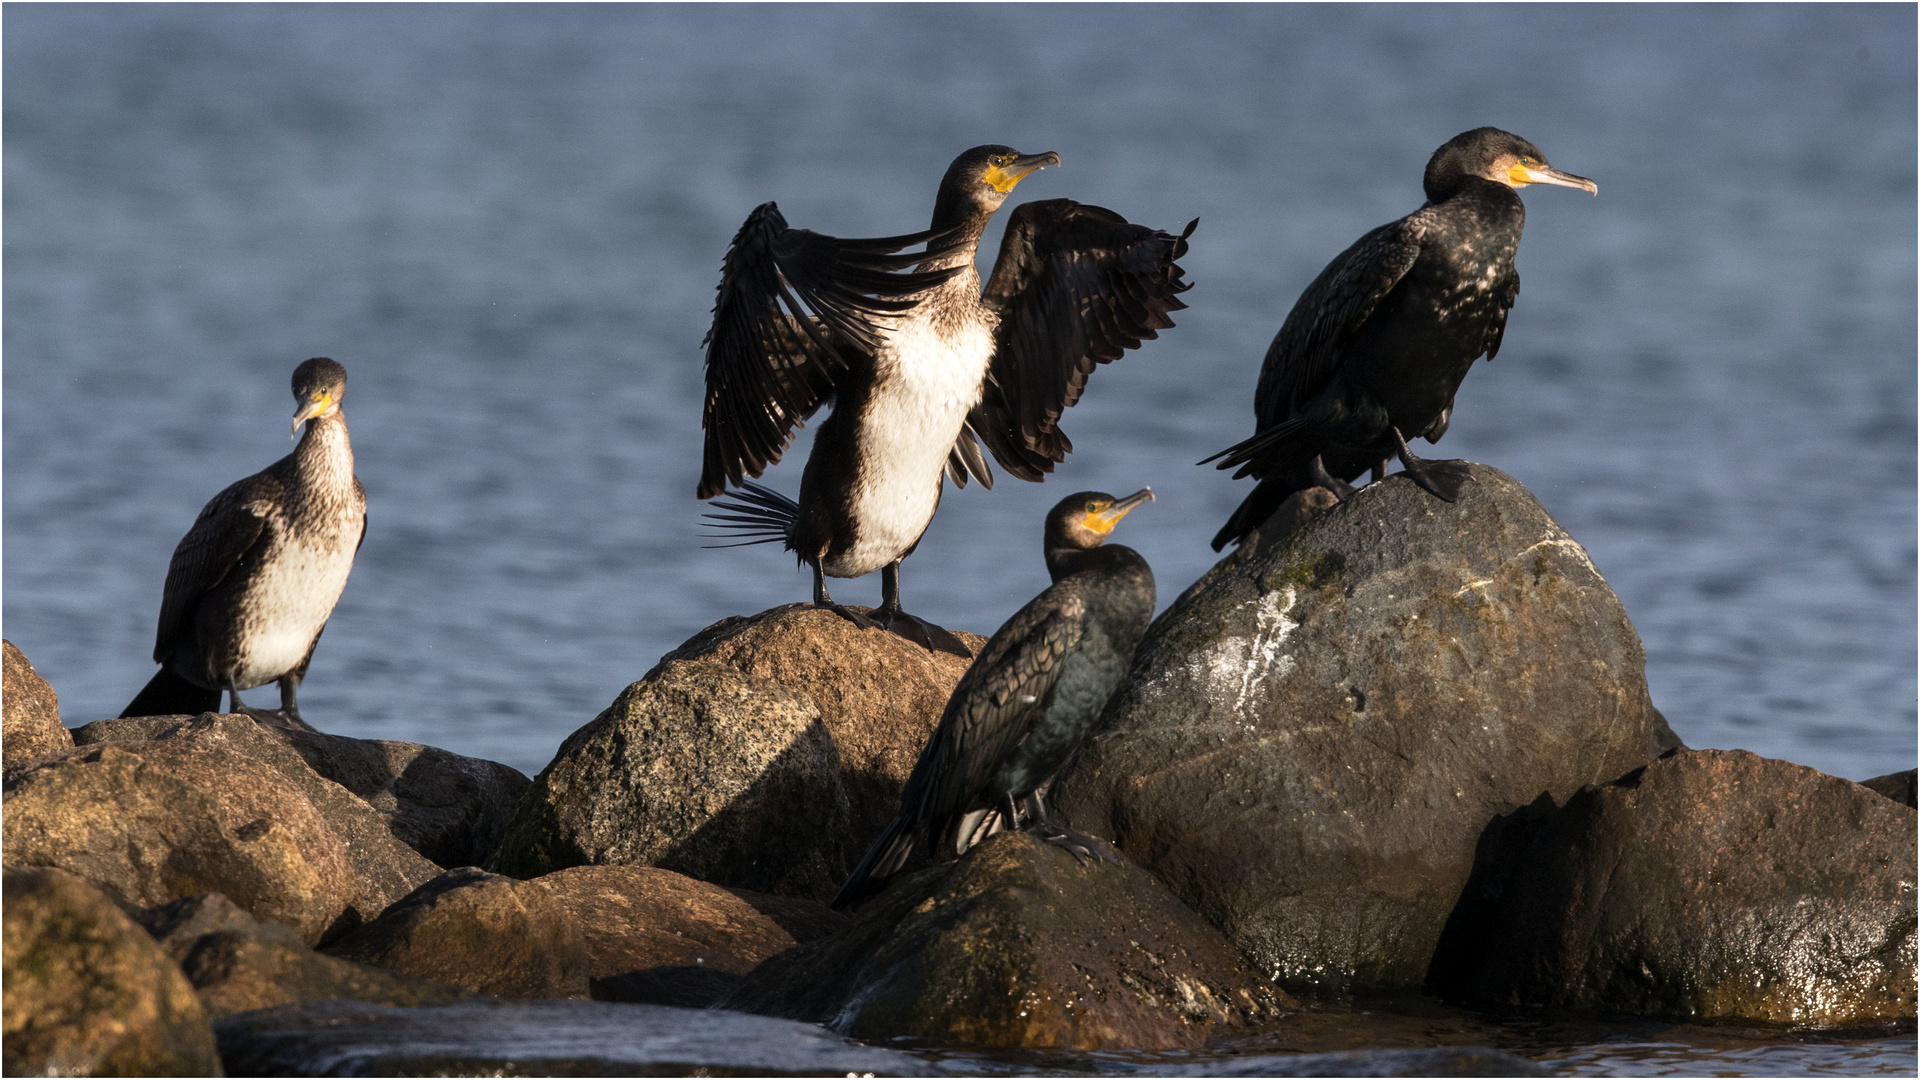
(1028, 701)
(923, 367)
(251, 584)
(1376, 347)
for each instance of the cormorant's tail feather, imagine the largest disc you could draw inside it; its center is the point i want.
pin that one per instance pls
(756, 511)
(883, 860)
(1261, 445)
(167, 694)
(1254, 510)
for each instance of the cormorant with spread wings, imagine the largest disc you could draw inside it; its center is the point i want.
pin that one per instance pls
(921, 365)
(1376, 347)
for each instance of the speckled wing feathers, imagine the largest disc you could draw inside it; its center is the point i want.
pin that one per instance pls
(795, 309)
(231, 524)
(1074, 286)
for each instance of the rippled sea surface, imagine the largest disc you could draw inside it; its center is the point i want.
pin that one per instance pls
(507, 222)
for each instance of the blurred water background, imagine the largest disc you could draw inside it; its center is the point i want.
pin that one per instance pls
(507, 223)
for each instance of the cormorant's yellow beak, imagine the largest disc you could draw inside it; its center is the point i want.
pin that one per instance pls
(1003, 177)
(320, 404)
(1522, 174)
(1101, 522)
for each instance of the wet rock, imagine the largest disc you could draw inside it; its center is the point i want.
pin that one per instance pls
(1710, 885)
(88, 993)
(1435, 1061)
(1896, 786)
(1019, 945)
(237, 962)
(1309, 746)
(480, 932)
(655, 937)
(211, 804)
(30, 724)
(450, 809)
(755, 724)
(542, 1038)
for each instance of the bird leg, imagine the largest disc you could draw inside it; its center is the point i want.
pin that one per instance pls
(914, 629)
(289, 706)
(822, 600)
(1444, 479)
(1317, 472)
(1081, 846)
(270, 717)
(1379, 471)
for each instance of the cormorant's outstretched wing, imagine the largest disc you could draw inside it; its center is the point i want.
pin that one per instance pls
(229, 526)
(1074, 286)
(1305, 354)
(795, 309)
(995, 706)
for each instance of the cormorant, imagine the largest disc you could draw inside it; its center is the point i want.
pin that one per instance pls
(1375, 348)
(918, 364)
(1029, 700)
(252, 583)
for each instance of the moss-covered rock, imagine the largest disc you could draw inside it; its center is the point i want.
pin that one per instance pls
(1020, 945)
(1311, 741)
(88, 993)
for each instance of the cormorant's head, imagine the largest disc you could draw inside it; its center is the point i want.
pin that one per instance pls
(1084, 520)
(318, 386)
(983, 177)
(1499, 156)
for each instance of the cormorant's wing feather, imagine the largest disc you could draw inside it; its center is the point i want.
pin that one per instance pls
(995, 705)
(795, 309)
(1074, 286)
(228, 527)
(1508, 289)
(965, 461)
(1306, 353)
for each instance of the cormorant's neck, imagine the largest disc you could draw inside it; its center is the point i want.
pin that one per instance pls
(325, 453)
(1063, 562)
(1476, 188)
(966, 220)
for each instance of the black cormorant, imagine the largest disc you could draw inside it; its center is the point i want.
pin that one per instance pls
(1375, 348)
(918, 362)
(252, 583)
(1028, 701)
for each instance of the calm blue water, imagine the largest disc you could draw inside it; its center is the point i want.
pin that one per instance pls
(507, 223)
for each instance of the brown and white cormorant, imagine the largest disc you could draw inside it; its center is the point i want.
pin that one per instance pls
(1375, 348)
(252, 583)
(918, 361)
(1027, 702)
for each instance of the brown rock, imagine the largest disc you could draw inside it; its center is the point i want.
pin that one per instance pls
(238, 963)
(656, 937)
(1018, 945)
(480, 932)
(88, 993)
(30, 724)
(704, 765)
(1896, 786)
(1308, 747)
(1709, 885)
(251, 780)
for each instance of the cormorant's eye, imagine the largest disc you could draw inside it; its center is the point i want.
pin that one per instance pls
(1526, 161)
(1093, 508)
(1003, 160)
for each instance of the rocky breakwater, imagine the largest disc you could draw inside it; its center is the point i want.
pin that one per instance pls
(1314, 736)
(1708, 885)
(763, 754)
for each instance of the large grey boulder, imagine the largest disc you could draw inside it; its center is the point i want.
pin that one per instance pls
(1709, 885)
(88, 993)
(211, 804)
(1020, 945)
(30, 724)
(762, 754)
(1313, 737)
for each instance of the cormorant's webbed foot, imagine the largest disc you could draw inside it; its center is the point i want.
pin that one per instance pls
(1317, 472)
(1082, 847)
(917, 630)
(822, 600)
(930, 636)
(1444, 479)
(269, 717)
